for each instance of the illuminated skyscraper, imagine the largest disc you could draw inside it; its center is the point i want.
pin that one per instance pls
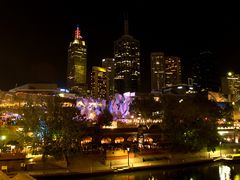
(127, 58)
(109, 64)
(172, 71)
(99, 83)
(157, 71)
(165, 71)
(77, 64)
(231, 86)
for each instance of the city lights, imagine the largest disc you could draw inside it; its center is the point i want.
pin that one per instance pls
(3, 137)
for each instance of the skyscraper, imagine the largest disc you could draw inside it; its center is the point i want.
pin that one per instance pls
(204, 72)
(77, 64)
(157, 71)
(127, 58)
(172, 71)
(165, 71)
(99, 83)
(109, 64)
(231, 86)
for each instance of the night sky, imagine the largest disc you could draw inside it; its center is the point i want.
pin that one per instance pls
(34, 35)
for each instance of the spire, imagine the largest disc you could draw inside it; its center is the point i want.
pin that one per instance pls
(77, 33)
(125, 23)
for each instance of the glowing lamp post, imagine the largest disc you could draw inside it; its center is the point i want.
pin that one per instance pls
(3, 138)
(128, 149)
(220, 143)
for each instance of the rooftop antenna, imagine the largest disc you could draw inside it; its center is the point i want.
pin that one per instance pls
(125, 23)
(77, 33)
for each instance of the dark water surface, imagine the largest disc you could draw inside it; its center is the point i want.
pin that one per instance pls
(214, 171)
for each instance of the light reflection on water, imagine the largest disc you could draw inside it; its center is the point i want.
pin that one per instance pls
(224, 172)
(214, 171)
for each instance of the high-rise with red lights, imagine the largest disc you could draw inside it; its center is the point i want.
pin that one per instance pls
(77, 64)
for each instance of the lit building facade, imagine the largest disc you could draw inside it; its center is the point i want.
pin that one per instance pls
(77, 64)
(157, 71)
(109, 64)
(127, 58)
(231, 86)
(99, 83)
(165, 71)
(172, 71)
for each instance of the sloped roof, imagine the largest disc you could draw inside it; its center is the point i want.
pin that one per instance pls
(37, 87)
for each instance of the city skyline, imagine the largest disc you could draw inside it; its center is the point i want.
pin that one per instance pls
(35, 39)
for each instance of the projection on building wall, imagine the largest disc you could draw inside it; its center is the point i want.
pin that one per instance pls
(118, 106)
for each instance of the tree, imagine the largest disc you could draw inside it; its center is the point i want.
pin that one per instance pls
(226, 110)
(190, 122)
(8, 136)
(105, 118)
(146, 107)
(66, 128)
(55, 127)
(33, 113)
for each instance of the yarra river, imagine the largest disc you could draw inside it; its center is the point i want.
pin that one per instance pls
(212, 171)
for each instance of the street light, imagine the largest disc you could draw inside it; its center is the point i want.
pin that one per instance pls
(220, 143)
(128, 149)
(3, 137)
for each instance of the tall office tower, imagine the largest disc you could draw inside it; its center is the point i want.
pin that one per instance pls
(157, 71)
(231, 86)
(127, 58)
(109, 64)
(204, 73)
(77, 64)
(99, 83)
(172, 71)
(165, 71)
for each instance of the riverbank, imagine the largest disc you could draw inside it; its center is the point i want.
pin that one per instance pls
(155, 165)
(87, 167)
(75, 175)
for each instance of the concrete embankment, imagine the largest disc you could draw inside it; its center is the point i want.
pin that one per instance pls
(97, 169)
(93, 165)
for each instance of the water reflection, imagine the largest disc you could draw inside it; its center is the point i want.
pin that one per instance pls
(224, 172)
(212, 171)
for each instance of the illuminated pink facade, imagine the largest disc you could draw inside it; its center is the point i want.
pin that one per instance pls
(118, 106)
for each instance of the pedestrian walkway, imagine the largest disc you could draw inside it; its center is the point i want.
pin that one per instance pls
(93, 164)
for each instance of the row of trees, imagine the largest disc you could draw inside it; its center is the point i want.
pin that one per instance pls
(189, 123)
(54, 128)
